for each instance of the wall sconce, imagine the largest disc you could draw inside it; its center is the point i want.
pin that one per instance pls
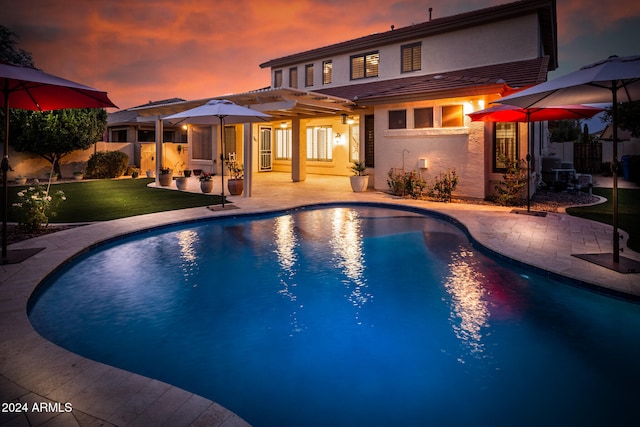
(422, 163)
(337, 136)
(344, 119)
(185, 127)
(350, 121)
(283, 125)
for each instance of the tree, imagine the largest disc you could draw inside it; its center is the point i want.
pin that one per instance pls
(9, 53)
(54, 134)
(628, 117)
(564, 130)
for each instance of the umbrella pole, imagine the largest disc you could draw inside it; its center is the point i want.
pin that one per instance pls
(528, 162)
(222, 155)
(5, 172)
(614, 191)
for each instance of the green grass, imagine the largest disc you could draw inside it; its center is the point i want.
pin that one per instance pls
(628, 212)
(108, 199)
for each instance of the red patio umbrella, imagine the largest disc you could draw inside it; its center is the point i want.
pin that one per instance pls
(31, 89)
(511, 113)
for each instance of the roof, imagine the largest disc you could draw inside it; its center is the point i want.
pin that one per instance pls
(546, 10)
(282, 102)
(481, 80)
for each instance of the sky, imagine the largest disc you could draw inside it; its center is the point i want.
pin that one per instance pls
(147, 50)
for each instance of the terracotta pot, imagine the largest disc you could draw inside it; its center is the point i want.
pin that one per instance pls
(235, 186)
(165, 179)
(359, 183)
(206, 186)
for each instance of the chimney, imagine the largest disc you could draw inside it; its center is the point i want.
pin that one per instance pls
(430, 10)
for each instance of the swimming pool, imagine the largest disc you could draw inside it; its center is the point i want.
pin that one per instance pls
(347, 315)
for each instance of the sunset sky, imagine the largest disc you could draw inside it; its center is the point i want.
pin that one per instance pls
(142, 50)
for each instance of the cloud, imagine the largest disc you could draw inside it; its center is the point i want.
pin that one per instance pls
(141, 50)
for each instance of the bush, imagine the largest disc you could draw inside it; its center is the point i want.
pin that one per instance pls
(406, 184)
(444, 185)
(35, 205)
(107, 164)
(514, 180)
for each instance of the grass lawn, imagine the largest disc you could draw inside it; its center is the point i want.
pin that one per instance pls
(628, 212)
(107, 199)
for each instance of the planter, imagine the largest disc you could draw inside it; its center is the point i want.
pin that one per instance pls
(181, 183)
(165, 179)
(78, 176)
(206, 186)
(52, 178)
(359, 183)
(149, 174)
(235, 186)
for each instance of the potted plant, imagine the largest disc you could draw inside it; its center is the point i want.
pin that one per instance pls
(53, 177)
(166, 176)
(359, 180)
(135, 173)
(183, 181)
(149, 173)
(78, 175)
(206, 182)
(235, 183)
(187, 173)
(21, 180)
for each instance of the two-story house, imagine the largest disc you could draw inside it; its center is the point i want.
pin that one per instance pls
(398, 100)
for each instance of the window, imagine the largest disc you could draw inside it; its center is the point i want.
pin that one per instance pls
(411, 57)
(327, 72)
(365, 65)
(452, 116)
(354, 143)
(277, 78)
(201, 142)
(308, 75)
(369, 140)
(283, 144)
(397, 119)
(293, 77)
(320, 143)
(505, 144)
(146, 135)
(423, 118)
(119, 135)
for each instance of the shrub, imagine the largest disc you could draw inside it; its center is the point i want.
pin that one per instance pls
(35, 206)
(406, 183)
(107, 164)
(514, 179)
(444, 186)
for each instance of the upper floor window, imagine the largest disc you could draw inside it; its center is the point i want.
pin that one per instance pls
(277, 78)
(293, 77)
(365, 65)
(327, 72)
(411, 57)
(452, 116)
(308, 75)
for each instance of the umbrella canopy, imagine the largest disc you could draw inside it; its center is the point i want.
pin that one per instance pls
(592, 84)
(216, 109)
(511, 113)
(30, 89)
(613, 80)
(226, 112)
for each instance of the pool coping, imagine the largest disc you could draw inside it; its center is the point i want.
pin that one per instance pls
(34, 370)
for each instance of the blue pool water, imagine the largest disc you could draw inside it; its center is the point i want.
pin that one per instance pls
(348, 316)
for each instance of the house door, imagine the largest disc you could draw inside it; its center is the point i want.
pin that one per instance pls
(265, 149)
